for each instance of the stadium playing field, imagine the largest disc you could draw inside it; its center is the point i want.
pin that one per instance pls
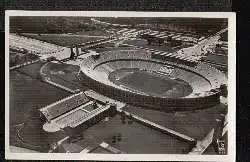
(150, 83)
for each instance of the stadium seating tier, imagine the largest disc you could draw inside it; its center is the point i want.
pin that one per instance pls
(202, 77)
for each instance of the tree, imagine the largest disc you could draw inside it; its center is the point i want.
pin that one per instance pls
(95, 105)
(95, 57)
(149, 41)
(169, 39)
(223, 90)
(52, 58)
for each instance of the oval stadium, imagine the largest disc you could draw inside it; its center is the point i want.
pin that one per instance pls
(134, 76)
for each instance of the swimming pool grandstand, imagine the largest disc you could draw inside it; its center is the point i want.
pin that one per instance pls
(73, 111)
(65, 105)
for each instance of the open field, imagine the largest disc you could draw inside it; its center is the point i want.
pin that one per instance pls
(65, 74)
(153, 85)
(28, 94)
(195, 124)
(63, 39)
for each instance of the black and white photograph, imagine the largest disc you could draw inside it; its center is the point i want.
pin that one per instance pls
(144, 85)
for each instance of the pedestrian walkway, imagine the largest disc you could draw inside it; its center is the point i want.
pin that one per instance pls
(159, 127)
(59, 86)
(24, 64)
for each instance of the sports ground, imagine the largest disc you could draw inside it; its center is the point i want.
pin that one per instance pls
(152, 84)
